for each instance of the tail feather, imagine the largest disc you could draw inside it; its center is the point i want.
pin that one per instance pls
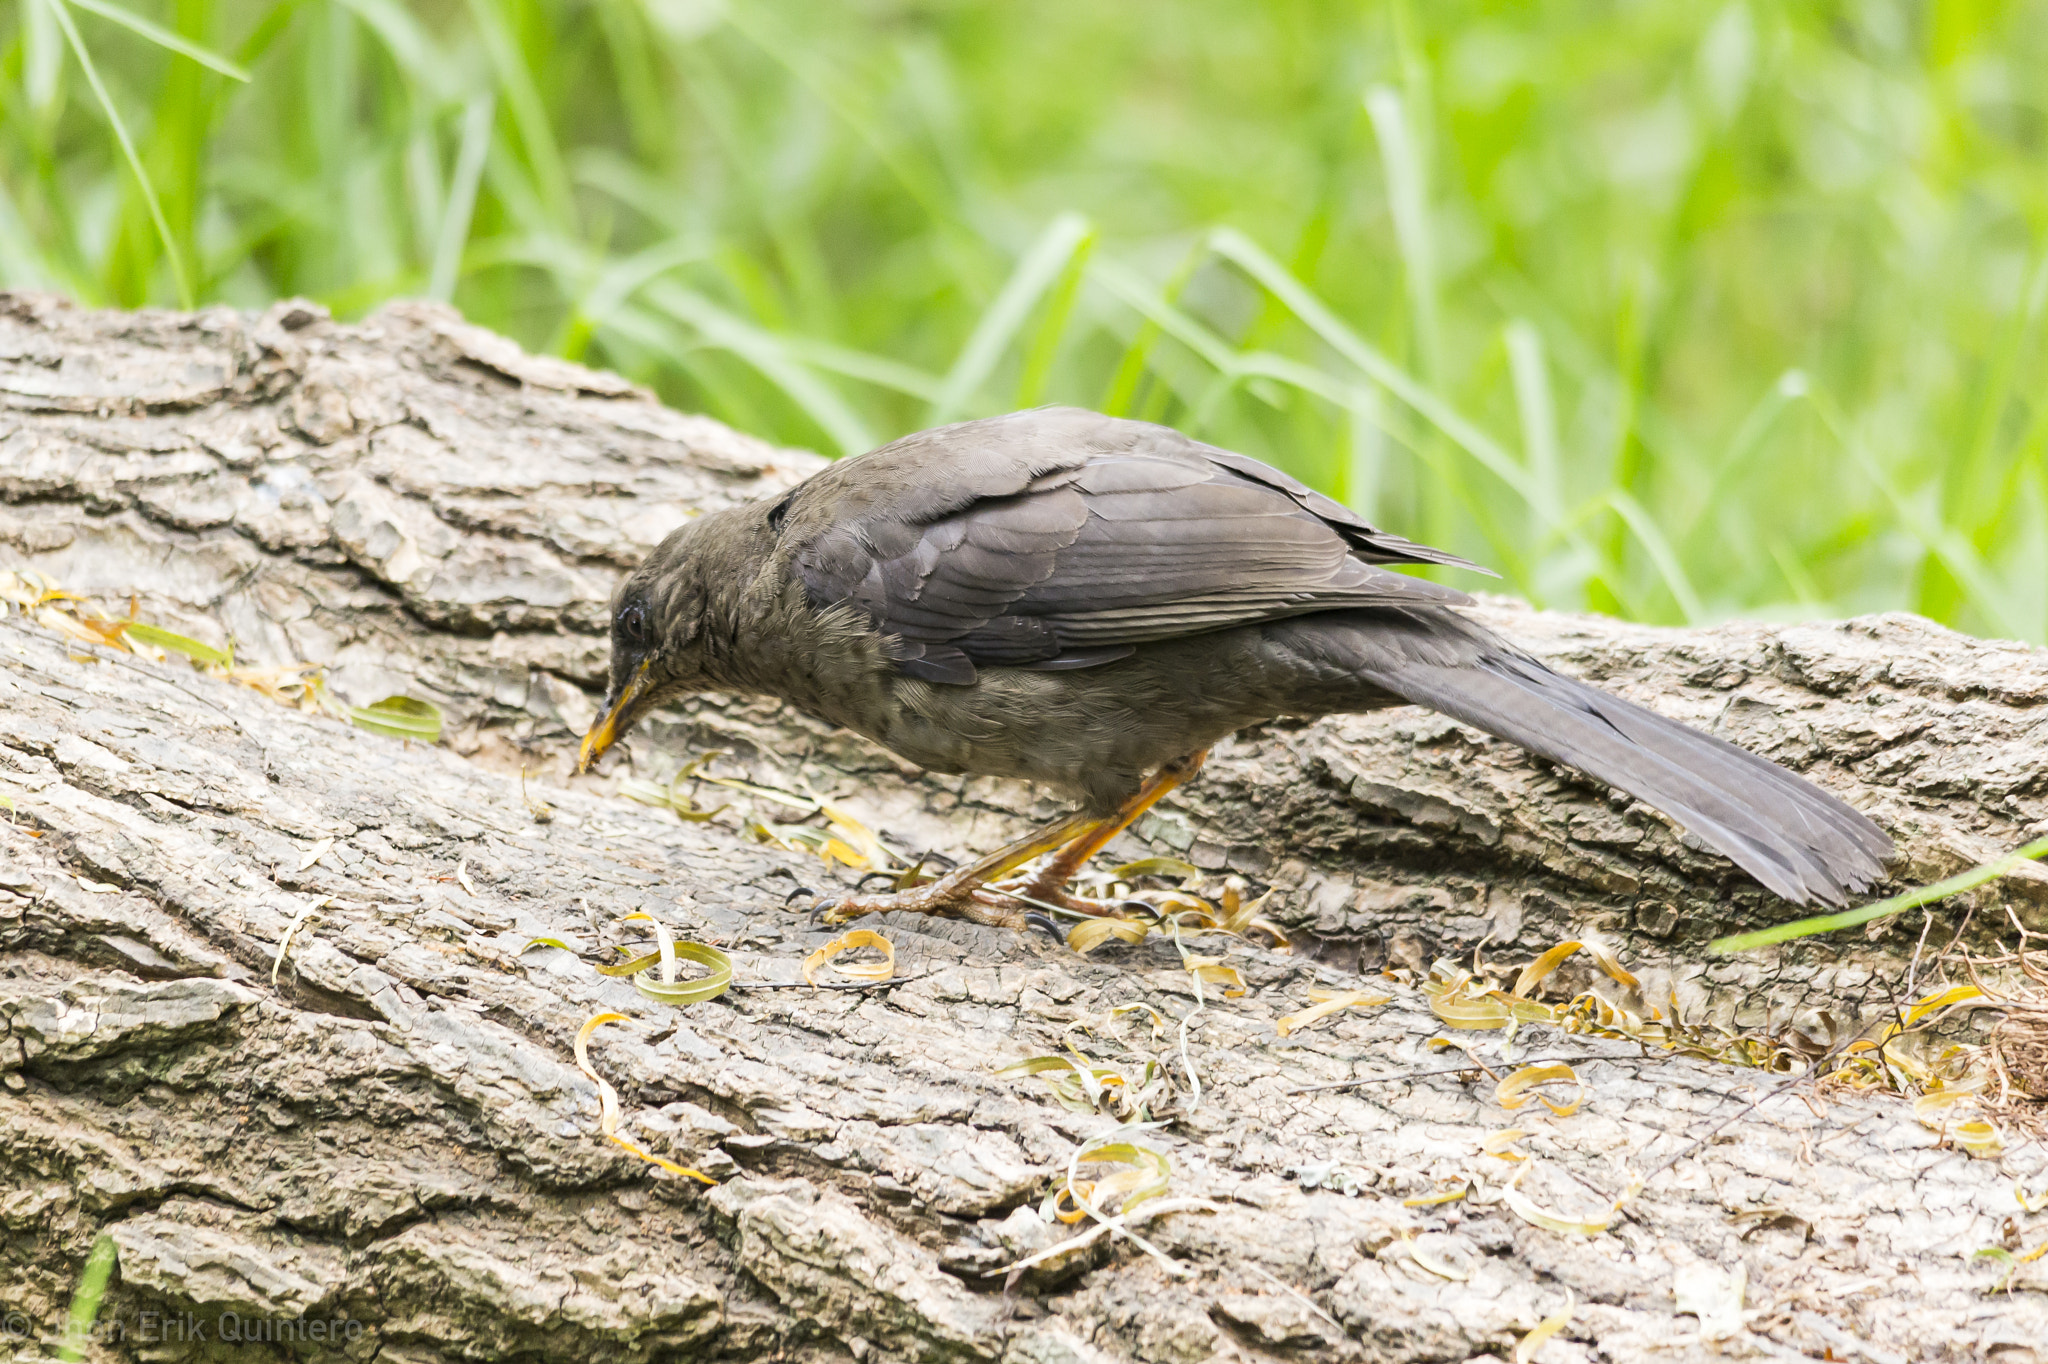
(1796, 839)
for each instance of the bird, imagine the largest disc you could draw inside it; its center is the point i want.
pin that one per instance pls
(1092, 603)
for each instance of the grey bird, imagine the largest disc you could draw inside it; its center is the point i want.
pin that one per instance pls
(1091, 603)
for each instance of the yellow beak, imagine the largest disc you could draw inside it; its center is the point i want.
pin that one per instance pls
(605, 732)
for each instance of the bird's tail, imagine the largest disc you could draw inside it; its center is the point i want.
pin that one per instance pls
(1795, 838)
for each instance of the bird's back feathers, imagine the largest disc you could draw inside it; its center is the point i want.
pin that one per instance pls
(1065, 540)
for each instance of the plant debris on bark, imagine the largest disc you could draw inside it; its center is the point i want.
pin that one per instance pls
(1008, 1150)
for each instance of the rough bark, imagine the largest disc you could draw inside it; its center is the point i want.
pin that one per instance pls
(394, 1133)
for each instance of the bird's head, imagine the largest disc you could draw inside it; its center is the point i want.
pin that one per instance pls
(658, 619)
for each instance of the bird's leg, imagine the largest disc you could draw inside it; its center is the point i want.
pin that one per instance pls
(1078, 837)
(1050, 882)
(955, 893)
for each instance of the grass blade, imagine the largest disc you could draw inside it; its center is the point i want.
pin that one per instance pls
(1883, 909)
(1660, 552)
(161, 36)
(85, 1299)
(42, 56)
(878, 370)
(1253, 259)
(21, 265)
(1365, 452)
(1133, 364)
(1945, 543)
(1538, 409)
(409, 44)
(1749, 436)
(399, 717)
(179, 644)
(1041, 265)
(461, 205)
(106, 102)
(1408, 195)
(529, 112)
(1052, 330)
(767, 353)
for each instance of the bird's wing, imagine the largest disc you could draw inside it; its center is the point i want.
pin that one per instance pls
(1060, 538)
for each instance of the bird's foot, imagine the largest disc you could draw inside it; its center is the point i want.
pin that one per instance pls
(1042, 893)
(952, 896)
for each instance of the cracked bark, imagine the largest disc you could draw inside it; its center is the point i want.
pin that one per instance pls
(394, 1137)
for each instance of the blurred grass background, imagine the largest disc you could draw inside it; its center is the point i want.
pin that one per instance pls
(1673, 310)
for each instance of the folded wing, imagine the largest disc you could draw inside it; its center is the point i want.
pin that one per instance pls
(1063, 539)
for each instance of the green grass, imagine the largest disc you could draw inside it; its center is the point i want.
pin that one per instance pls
(1679, 311)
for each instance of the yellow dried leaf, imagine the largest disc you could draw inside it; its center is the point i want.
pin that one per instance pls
(1928, 1107)
(668, 990)
(1327, 1002)
(859, 937)
(1525, 1208)
(1442, 1256)
(1611, 964)
(1240, 915)
(1512, 1092)
(1501, 1145)
(1461, 1011)
(1149, 1177)
(1066, 1200)
(667, 953)
(608, 1101)
(2029, 1202)
(1526, 1348)
(1214, 970)
(632, 966)
(1079, 1086)
(664, 795)
(837, 850)
(284, 944)
(1980, 1138)
(1155, 866)
(763, 832)
(1955, 994)
(1185, 912)
(716, 982)
(1090, 934)
(1457, 1190)
(855, 837)
(789, 798)
(1453, 1044)
(1538, 970)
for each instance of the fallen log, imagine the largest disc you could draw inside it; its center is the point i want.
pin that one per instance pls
(275, 1033)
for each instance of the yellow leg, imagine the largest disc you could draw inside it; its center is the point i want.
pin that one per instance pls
(1051, 882)
(954, 893)
(1078, 837)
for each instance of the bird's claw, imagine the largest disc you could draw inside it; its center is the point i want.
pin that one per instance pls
(1036, 919)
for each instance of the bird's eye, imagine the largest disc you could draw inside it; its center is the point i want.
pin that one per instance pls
(632, 625)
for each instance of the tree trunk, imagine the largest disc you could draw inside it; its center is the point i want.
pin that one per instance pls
(384, 1144)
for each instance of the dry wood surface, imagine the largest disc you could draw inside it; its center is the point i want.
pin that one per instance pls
(380, 1128)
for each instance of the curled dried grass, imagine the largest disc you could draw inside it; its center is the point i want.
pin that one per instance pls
(2018, 1046)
